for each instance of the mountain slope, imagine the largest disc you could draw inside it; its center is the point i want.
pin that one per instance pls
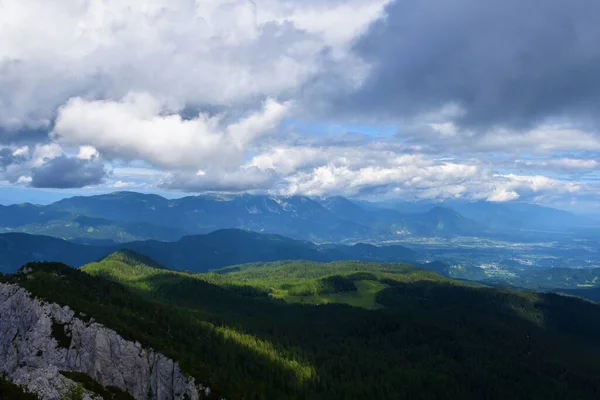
(232, 246)
(441, 221)
(348, 282)
(127, 216)
(83, 229)
(119, 206)
(131, 259)
(24, 214)
(518, 216)
(17, 249)
(385, 222)
(294, 216)
(431, 338)
(592, 294)
(195, 253)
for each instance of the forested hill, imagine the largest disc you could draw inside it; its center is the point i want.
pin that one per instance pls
(196, 253)
(425, 336)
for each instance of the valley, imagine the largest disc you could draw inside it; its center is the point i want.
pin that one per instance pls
(517, 245)
(260, 315)
(470, 234)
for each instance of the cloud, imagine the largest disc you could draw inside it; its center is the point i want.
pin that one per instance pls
(142, 127)
(13, 155)
(125, 185)
(499, 63)
(537, 183)
(578, 165)
(437, 134)
(245, 179)
(67, 172)
(6, 158)
(45, 152)
(503, 195)
(13, 162)
(480, 100)
(286, 159)
(386, 170)
(48, 166)
(88, 153)
(201, 53)
(22, 151)
(426, 179)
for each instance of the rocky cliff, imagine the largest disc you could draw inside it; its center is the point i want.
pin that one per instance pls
(40, 339)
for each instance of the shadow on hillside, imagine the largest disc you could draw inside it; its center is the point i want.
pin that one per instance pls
(231, 362)
(433, 339)
(434, 329)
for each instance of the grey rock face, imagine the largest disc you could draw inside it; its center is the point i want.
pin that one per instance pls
(38, 339)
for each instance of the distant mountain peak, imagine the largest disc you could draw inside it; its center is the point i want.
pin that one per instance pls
(444, 212)
(340, 204)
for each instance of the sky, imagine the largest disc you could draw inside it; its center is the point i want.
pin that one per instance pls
(427, 100)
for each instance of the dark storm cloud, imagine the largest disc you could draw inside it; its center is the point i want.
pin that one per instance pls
(6, 158)
(64, 172)
(507, 63)
(22, 136)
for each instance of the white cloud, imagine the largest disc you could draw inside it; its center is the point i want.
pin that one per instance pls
(502, 195)
(287, 159)
(45, 152)
(202, 52)
(114, 77)
(22, 151)
(417, 177)
(87, 153)
(538, 183)
(125, 185)
(24, 180)
(374, 167)
(142, 127)
(561, 164)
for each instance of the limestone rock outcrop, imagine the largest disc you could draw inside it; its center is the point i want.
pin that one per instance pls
(39, 339)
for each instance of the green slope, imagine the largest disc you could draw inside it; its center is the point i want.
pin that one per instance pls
(429, 338)
(83, 229)
(351, 282)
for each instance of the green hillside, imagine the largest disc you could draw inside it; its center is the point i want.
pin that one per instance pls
(351, 282)
(426, 337)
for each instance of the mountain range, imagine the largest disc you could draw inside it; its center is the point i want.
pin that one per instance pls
(197, 253)
(235, 313)
(128, 216)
